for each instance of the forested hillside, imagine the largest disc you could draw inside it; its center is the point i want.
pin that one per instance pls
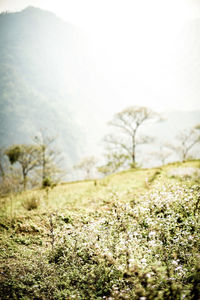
(38, 59)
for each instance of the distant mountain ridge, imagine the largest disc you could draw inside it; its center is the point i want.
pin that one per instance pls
(35, 49)
(47, 80)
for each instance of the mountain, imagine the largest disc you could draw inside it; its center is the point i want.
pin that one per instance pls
(49, 79)
(45, 75)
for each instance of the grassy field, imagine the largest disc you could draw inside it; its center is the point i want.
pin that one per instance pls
(131, 235)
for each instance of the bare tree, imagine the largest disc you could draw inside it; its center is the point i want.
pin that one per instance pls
(162, 154)
(114, 161)
(49, 158)
(3, 163)
(185, 142)
(87, 165)
(129, 121)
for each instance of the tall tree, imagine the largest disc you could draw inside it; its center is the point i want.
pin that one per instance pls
(3, 163)
(113, 162)
(129, 121)
(185, 142)
(87, 165)
(48, 155)
(161, 153)
(26, 156)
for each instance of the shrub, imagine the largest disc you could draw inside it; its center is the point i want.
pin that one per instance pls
(46, 182)
(149, 250)
(31, 203)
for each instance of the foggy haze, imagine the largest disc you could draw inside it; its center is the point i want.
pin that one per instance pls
(105, 57)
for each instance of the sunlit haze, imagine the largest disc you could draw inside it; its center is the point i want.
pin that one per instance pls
(99, 149)
(137, 46)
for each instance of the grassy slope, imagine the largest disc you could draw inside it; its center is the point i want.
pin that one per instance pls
(26, 234)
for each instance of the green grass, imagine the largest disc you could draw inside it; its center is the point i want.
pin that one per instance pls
(130, 235)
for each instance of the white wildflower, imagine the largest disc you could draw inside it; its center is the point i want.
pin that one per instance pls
(152, 234)
(143, 260)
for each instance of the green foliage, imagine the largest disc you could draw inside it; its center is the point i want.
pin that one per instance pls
(47, 182)
(133, 243)
(40, 158)
(13, 154)
(33, 88)
(31, 203)
(134, 165)
(27, 156)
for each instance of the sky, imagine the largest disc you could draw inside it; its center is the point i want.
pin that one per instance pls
(87, 12)
(137, 46)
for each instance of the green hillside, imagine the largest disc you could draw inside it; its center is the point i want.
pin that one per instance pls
(131, 235)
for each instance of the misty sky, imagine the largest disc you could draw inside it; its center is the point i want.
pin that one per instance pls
(137, 46)
(95, 12)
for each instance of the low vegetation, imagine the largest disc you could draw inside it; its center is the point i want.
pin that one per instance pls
(131, 235)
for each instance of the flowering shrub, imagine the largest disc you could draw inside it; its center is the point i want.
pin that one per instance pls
(147, 248)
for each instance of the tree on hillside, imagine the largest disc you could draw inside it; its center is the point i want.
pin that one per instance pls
(114, 160)
(26, 156)
(161, 153)
(185, 142)
(3, 163)
(128, 122)
(49, 157)
(87, 165)
(197, 127)
(10, 178)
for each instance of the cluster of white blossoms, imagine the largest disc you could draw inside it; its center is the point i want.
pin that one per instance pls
(154, 238)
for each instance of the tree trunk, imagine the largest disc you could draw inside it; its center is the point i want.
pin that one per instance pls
(24, 179)
(2, 171)
(133, 151)
(43, 165)
(133, 158)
